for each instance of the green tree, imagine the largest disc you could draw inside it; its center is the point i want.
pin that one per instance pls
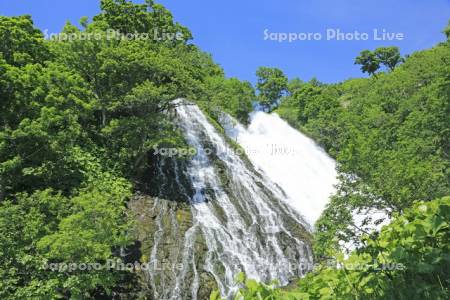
(46, 228)
(389, 56)
(272, 84)
(369, 62)
(447, 30)
(232, 95)
(21, 42)
(128, 17)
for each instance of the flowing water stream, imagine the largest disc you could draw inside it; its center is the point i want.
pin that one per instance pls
(291, 159)
(248, 223)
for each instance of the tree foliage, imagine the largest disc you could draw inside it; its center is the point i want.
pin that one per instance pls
(447, 31)
(78, 119)
(271, 85)
(232, 95)
(389, 56)
(21, 42)
(390, 138)
(371, 61)
(407, 260)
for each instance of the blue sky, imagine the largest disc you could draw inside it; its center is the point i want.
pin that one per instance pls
(233, 31)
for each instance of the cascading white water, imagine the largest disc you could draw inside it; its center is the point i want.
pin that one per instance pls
(246, 215)
(289, 158)
(245, 223)
(298, 165)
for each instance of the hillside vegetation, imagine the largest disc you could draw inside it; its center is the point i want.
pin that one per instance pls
(80, 117)
(390, 135)
(78, 120)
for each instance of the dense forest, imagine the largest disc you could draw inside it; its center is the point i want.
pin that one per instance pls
(78, 120)
(80, 117)
(390, 135)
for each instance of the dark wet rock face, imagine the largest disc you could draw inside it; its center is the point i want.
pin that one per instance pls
(172, 253)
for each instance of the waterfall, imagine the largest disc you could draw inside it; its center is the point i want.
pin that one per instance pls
(242, 220)
(289, 158)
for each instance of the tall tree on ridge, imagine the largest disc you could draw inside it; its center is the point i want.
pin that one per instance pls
(272, 84)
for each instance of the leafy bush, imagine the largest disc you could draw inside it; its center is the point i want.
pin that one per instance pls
(409, 259)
